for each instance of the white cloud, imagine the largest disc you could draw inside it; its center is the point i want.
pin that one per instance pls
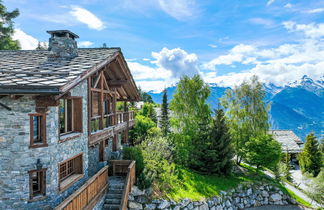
(178, 61)
(279, 65)
(88, 18)
(288, 5)
(236, 54)
(262, 21)
(85, 44)
(212, 45)
(144, 72)
(167, 66)
(270, 2)
(317, 10)
(155, 86)
(312, 30)
(179, 9)
(27, 42)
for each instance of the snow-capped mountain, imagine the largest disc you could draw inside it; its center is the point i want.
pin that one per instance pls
(297, 106)
(307, 83)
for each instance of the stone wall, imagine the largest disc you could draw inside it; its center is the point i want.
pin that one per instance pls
(16, 158)
(244, 196)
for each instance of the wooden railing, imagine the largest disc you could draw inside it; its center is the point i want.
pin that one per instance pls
(88, 194)
(125, 167)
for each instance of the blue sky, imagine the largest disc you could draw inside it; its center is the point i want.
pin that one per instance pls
(225, 41)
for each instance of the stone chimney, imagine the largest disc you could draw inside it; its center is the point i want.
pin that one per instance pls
(62, 45)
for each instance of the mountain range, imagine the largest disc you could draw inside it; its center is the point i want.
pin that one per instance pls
(297, 106)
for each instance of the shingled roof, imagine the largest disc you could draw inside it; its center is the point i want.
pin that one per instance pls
(24, 70)
(288, 140)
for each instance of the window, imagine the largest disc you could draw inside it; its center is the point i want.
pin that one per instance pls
(70, 171)
(37, 130)
(70, 115)
(37, 183)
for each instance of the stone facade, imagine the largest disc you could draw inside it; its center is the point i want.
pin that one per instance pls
(244, 196)
(17, 158)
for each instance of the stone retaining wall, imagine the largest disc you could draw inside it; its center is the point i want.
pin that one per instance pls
(244, 196)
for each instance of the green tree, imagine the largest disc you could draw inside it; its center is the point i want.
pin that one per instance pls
(310, 159)
(189, 110)
(200, 145)
(287, 173)
(144, 96)
(7, 29)
(164, 122)
(220, 151)
(141, 129)
(247, 114)
(149, 111)
(262, 151)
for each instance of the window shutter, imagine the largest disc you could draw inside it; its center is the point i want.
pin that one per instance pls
(77, 114)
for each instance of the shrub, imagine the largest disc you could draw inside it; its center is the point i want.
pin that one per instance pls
(141, 128)
(158, 160)
(134, 153)
(263, 151)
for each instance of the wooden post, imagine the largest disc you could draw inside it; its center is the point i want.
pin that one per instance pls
(114, 107)
(101, 105)
(115, 141)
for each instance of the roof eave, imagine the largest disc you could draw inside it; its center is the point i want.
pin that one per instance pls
(36, 90)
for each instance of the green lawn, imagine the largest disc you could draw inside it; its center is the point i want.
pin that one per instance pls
(197, 187)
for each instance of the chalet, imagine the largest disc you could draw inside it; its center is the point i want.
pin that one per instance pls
(59, 124)
(289, 142)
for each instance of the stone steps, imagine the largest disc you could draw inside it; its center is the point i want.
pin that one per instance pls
(115, 192)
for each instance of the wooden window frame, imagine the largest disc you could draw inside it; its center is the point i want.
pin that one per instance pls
(42, 180)
(42, 130)
(77, 116)
(76, 173)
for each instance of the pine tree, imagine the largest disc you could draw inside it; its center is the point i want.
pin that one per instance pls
(164, 123)
(220, 151)
(199, 147)
(287, 173)
(6, 29)
(310, 159)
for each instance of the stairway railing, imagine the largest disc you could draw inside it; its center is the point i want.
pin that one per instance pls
(122, 167)
(88, 194)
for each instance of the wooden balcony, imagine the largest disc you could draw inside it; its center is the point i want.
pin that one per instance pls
(88, 194)
(110, 125)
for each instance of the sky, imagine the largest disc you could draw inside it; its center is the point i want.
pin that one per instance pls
(225, 41)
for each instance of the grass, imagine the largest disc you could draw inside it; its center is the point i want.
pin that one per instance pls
(198, 187)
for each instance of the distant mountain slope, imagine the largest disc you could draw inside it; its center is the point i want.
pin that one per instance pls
(301, 101)
(298, 106)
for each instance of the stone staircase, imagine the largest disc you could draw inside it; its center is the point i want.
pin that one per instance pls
(115, 192)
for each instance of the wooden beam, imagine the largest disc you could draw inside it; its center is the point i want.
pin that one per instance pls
(117, 82)
(97, 81)
(101, 105)
(99, 90)
(2, 96)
